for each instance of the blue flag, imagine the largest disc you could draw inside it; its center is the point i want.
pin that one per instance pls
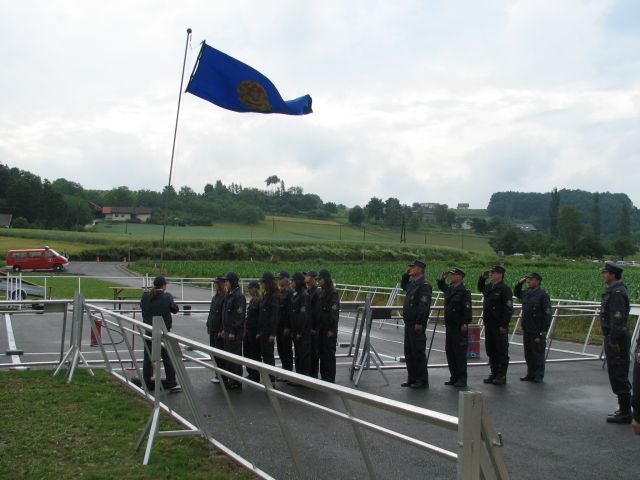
(231, 84)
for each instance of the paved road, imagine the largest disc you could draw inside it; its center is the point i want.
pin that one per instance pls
(554, 430)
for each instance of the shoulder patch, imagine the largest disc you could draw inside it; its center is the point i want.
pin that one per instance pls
(509, 303)
(334, 307)
(618, 315)
(303, 309)
(240, 309)
(424, 298)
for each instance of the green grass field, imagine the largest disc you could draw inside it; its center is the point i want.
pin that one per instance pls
(88, 430)
(567, 280)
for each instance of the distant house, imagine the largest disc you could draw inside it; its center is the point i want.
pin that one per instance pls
(429, 205)
(526, 227)
(463, 206)
(5, 220)
(429, 217)
(125, 214)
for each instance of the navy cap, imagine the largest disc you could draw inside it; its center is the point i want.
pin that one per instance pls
(254, 284)
(311, 273)
(159, 281)
(232, 276)
(283, 274)
(457, 271)
(612, 267)
(220, 278)
(498, 269)
(418, 263)
(267, 277)
(535, 275)
(297, 277)
(324, 273)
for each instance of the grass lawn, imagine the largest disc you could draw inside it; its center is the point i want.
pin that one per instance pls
(88, 430)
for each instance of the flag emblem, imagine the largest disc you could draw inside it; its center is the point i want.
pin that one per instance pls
(254, 95)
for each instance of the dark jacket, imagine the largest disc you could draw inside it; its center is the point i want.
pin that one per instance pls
(233, 312)
(536, 309)
(417, 301)
(497, 303)
(269, 313)
(329, 310)
(285, 309)
(253, 314)
(314, 307)
(161, 305)
(614, 312)
(300, 313)
(214, 320)
(457, 303)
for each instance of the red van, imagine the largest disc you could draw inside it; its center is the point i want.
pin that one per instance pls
(36, 259)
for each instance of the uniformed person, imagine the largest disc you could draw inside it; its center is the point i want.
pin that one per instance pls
(536, 320)
(614, 316)
(268, 318)
(283, 339)
(314, 294)
(496, 314)
(635, 399)
(328, 316)
(233, 316)
(415, 313)
(457, 316)
(301, 324)
(251, 344)
(214, 320)
(158, 303)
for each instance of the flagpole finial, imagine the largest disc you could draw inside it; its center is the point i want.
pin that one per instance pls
(189, 31)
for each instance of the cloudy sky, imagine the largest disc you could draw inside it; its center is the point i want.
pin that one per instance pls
(445, 101)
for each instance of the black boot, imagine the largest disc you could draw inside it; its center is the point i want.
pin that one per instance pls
(624, 414)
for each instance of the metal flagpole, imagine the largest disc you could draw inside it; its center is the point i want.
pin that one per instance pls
(173, 150)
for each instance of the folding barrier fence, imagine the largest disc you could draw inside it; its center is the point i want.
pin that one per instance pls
(477, 447)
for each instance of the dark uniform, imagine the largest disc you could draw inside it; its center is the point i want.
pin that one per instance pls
(251, 344)
(301, 329)
(328, 316)
(496, 314)
(416, 308)
(314, 309)
(285, 343)
(233, 315)
(160, 305)
(614, 316)
(214, 324)
(536, 320)
(635, 399)
(268, 326)
(457, 316)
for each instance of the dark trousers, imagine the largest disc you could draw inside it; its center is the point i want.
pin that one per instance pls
(534, 354)
(303, 354)
(635, 400)
(315, 359)
(327, 353)
(285, 350)
(251, 349)
(147, 366)
(497, 347)
(456, 350)
(266, 352)
(218, 343)
(235, 347)
(415, 345)
(618, 365)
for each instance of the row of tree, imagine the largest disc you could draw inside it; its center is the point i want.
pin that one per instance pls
(392, 213)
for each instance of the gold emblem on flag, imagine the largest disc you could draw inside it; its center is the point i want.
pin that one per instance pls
(253, 95)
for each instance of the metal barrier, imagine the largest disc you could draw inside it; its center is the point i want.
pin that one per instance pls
(478, 452)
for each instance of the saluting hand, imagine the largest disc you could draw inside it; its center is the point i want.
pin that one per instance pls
(418, 328)
(485, 274)
(232, 337)
(271, 339)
